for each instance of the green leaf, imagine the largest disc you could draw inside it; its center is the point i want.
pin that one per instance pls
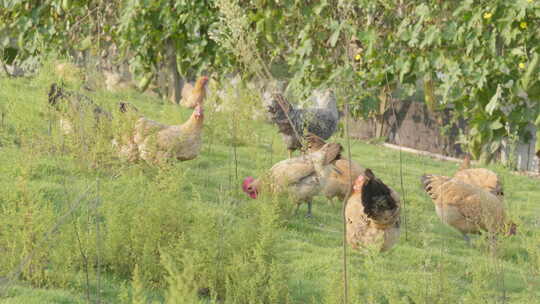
(404, 67)
(494, 101)
(306, 48)
(519, 51)
(85, 43)
(494, 146)
(422, 10)
(318, 9)
(4, 41)
(473, 131)
(531, 68)
(495, 125)
(335, 36)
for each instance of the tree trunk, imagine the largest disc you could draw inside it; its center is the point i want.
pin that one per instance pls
(174, 88)
(162, 80)
(429, 97)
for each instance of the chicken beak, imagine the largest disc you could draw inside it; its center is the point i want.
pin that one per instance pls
(513, 229)
(359, 183)
(253, 194)
(199, 111)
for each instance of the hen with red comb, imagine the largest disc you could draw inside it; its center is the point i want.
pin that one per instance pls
(296, 176)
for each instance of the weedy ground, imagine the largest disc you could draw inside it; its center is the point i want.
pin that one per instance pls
(78, 224)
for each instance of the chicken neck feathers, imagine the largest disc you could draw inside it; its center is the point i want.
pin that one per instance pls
(377, 198)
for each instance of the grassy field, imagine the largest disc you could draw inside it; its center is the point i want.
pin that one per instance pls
(79, 224)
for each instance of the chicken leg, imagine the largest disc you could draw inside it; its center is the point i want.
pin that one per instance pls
(467, 239)
(309, 215)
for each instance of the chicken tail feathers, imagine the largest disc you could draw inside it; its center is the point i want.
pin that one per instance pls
(426, 183)
(283, 103)
(283, 115)
(280, 111)
(125, 107)
(431, 183)
(425, 180)
(314, 142)
(333, 152)
(55, 94)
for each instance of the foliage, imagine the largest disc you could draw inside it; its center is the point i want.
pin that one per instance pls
(147, 32)
(479, 58)
(148, 28)
(191, 222)
(58, 25)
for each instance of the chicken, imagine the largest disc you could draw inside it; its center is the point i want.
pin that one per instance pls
(480, 177)
(320, 120)
(193, 95)
(157, 142)
(338, 175)
(126, 107)
(73, 107)
(296, 176)
(467, 208)
(372, 214)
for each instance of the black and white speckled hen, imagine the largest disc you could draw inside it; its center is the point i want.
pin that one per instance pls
(320, 119)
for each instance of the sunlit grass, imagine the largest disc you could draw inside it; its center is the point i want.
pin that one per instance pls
(431, 264)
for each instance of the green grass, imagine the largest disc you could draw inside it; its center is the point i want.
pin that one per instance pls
(43, 173)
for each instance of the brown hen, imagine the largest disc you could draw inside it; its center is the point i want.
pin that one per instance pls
(372, 214)
(295, 176)
(466, 207)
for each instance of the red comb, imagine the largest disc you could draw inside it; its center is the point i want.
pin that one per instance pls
(247, 181)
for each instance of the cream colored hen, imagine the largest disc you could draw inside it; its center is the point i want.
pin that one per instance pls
(372, 214)
(466, 207)
(157, 142)
(296, 176)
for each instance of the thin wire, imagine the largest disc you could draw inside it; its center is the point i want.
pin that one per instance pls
(235, 154)
(400, 161)
(344, 208)
(281, 101)
(401, 172)
(98, 245)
